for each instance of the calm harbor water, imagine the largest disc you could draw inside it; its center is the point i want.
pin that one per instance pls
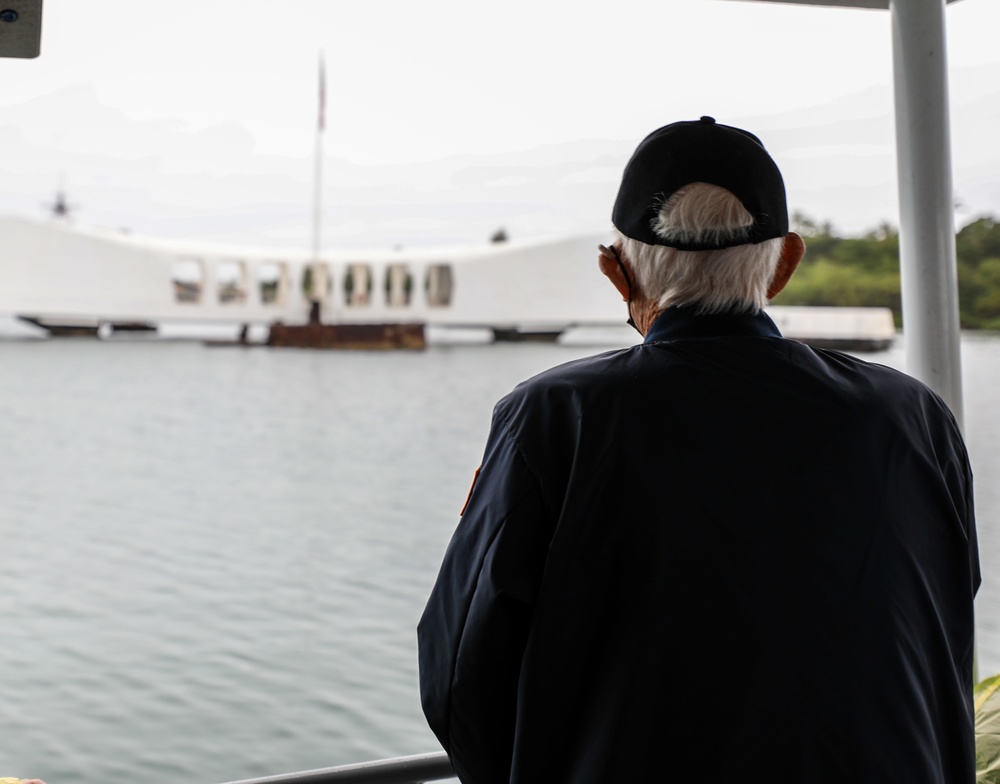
(213, 560)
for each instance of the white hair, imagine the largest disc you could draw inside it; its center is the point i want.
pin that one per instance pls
(733, 279)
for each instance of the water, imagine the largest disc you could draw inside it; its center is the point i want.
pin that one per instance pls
(214, 559)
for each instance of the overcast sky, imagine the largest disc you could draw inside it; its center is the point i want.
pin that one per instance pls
(449, 118)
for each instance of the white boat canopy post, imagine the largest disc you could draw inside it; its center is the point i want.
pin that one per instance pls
(926, 221)
(926, 205)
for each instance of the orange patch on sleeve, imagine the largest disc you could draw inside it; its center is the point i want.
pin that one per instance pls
(465, 506)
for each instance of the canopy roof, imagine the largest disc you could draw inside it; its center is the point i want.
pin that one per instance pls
(840, 3)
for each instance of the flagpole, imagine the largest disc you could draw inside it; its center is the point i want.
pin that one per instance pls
(319, 277)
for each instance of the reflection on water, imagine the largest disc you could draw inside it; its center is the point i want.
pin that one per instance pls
(214, 559)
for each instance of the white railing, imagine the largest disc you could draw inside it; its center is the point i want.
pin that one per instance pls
(399, 770)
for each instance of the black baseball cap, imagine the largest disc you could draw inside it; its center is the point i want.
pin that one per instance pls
(701, 151)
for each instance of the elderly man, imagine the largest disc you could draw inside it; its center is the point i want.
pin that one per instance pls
(716, 556)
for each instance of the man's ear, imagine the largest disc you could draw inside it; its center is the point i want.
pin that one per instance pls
(613, 272)
(792, 252)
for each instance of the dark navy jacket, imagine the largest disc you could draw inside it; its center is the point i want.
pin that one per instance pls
(717, 556)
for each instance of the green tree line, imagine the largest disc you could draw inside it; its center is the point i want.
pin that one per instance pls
(864, 271)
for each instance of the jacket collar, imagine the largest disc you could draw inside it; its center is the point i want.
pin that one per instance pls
(682, 322)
